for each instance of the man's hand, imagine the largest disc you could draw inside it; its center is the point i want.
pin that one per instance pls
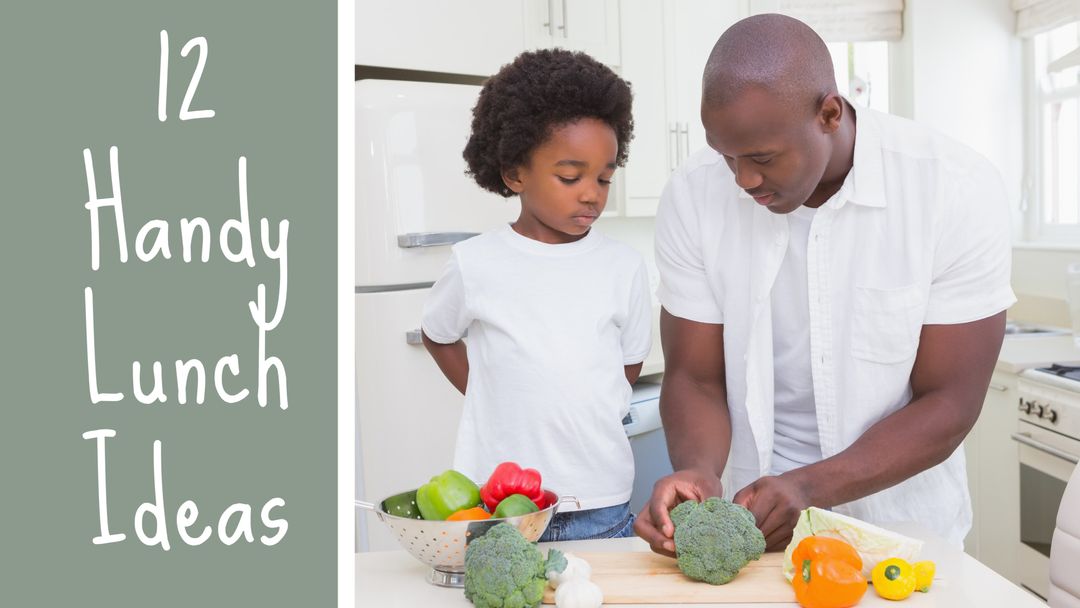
(654, 522)
(776, 503)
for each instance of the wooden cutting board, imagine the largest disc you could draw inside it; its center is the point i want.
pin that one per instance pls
(644, 577)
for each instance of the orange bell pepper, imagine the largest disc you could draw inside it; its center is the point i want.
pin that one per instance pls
(469, 514)
(828, 573)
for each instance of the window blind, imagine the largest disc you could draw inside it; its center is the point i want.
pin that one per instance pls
(842, 20)
(1036, 16)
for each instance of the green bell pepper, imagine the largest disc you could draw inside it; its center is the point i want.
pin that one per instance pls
(514, 505)
(446, 494)
(402, 505)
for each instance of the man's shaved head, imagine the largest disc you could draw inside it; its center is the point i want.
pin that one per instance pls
(777, 54)
(769, 106)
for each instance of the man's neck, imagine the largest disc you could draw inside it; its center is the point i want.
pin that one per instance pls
(840, 163)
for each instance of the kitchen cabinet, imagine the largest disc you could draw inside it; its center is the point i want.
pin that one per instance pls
(590, 26)
(672, 40)
(476, 37)
(407, 413)
(994, 479)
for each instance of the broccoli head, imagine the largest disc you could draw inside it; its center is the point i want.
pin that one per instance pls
(715, 539)
(503, 570)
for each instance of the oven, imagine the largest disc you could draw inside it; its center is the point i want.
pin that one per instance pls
(1048, 440)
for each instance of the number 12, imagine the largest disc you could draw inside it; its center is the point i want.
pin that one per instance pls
(163, 79)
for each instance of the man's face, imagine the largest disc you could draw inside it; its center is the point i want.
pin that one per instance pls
(778, 153)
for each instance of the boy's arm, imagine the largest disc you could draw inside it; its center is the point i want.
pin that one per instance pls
(452, 360)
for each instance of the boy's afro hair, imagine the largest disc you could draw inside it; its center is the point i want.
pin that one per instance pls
(539, 91)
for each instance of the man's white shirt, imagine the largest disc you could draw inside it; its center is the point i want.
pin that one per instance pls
(917, 235)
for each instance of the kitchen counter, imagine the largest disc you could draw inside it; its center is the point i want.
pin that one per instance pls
(395, 579)
(1024, 352)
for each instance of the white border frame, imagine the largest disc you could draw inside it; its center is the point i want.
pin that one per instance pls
(346, 250)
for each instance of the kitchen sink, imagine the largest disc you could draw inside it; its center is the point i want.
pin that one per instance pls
(1019, 330)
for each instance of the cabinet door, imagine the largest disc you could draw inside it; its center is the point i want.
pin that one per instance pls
(652, 151)
(476, 37)
(998, 499)
(590, 26)
(693, 26)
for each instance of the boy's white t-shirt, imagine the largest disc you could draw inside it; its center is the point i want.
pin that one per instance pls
(550, 329)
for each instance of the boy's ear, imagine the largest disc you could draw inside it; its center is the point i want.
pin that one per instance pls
(512, 178)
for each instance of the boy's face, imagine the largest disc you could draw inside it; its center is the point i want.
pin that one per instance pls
(564, 187)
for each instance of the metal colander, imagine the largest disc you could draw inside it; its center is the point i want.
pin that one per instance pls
(441, 544)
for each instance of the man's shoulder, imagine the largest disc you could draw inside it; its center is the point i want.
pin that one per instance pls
(905, 140)
(702, 172)
(705, 163)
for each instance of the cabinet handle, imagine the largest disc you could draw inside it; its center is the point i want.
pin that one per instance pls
(415, 336)
(1001, 388)
(564, 27)
(431, 239)
(686, 139)
(1026, 439)
(550, 20)
(673, 138)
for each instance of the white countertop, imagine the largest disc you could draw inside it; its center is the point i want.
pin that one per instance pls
(388, 579)
(1024, 352)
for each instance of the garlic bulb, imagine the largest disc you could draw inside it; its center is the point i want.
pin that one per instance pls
(578, 593)
(575, 568)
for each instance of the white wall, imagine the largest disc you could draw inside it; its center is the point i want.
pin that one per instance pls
(965, 71)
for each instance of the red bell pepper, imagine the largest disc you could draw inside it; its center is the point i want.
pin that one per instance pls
(508, 478)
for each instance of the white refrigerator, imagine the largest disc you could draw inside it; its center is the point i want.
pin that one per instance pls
(413, 200)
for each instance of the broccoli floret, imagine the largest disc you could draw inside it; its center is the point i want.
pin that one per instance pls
(715, 539)
(503, 570)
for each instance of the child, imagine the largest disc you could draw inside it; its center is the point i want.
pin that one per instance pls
(558, 316)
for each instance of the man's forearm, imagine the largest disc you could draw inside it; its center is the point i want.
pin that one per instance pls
(915, 438)
(696, 424)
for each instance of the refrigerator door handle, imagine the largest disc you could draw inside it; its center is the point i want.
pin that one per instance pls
(432, 239)
(414, 336)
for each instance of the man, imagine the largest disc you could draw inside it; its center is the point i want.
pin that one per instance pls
(833, 284)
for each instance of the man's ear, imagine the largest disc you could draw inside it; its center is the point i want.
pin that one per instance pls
(512, 178)
(831, 113)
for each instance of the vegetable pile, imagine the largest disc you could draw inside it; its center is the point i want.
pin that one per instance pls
(831, 557)
(715, 539)
(451, 496)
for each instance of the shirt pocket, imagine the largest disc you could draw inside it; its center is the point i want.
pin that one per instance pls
(886, 323)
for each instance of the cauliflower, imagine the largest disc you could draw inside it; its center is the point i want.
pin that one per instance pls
(503, 570)
(715, 539)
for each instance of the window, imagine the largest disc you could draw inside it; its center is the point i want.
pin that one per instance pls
(862, 72)
(1054, 183)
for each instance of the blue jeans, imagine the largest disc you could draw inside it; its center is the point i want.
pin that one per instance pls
(607, 522)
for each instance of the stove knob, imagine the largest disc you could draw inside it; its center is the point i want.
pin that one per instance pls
(1052, 416)
(1021, 400)
(1040, 410)
(1028, 406)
